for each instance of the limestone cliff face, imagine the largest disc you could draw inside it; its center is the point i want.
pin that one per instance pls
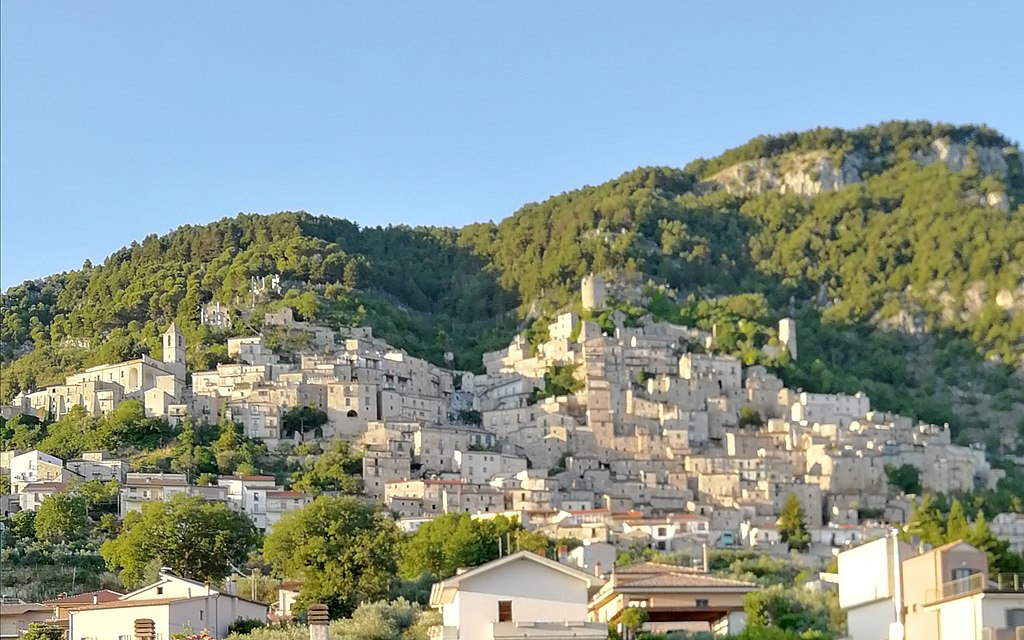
(910, 318)
(808, 173)
(812, 172)
(957, 156)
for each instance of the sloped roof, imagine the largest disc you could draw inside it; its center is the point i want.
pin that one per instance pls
(22, 608)
(103, 595)
(142, 602)
(442, 592)
(653, 574)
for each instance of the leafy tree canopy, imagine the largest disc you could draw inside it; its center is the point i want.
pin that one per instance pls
(195, 538)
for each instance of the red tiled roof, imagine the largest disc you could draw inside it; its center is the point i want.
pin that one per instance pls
(22, 608)
(44, 486)
(103, 595)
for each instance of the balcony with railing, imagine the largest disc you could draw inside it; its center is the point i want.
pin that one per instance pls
(978, 583)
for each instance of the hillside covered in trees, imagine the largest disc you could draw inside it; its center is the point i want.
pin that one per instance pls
(899, 249)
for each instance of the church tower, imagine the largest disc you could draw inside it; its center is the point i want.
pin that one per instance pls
(174, 349)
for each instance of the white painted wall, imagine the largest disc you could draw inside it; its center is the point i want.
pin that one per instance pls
(960, 618)
(995, 605)
(870, 621)
(865, 573)
(214, 613)
(538, 594)
(110, 624)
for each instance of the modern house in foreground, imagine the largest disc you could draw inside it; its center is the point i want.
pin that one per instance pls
(522, 595)
(892, 591)
(169, 606)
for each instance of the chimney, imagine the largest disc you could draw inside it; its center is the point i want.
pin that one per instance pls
(145, 629)
(705, 557)
(597, 569)
(319, 620)
(95, 599)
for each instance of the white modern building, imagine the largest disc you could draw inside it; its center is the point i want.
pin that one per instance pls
(172, 604)
(522, 595)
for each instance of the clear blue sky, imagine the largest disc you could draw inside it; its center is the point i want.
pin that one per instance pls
(121, 119)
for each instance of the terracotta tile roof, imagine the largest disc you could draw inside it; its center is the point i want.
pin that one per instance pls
(121, 604)
(22, 608)
(651, 568)
(44, 486)
(103, 595)
(652, 574)
(683, 580)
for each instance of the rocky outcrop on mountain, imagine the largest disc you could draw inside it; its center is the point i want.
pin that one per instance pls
(957, 156)
(812, 172)
(807, 173)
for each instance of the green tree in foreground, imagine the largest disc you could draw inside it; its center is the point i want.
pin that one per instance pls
(39, 631)
(341, 549)
(195, 538)
(793, 525)
(61, 516)
(792, 610)
(956, 523)
(633, 619)
(455, 540)
(928, 523)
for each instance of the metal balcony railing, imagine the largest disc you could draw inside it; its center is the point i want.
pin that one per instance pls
(977, 583)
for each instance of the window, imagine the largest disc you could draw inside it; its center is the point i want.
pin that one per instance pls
(504, 611)
(702, 603)
(159, 591)
(1015, 618)
(200, 614)
(962, 572)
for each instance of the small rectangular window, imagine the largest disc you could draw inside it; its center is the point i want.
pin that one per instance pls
(504, 611)
(1015, 618)
(702, 604)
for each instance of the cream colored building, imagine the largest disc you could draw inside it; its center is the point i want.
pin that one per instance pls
(892, 591)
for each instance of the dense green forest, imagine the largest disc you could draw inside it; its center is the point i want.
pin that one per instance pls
(911, 243)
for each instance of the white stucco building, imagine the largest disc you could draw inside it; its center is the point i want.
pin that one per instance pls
(522, 595)
(172, 603)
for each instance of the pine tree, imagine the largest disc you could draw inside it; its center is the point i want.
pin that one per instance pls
(793, 524)
(1000, 558)
(956, 523)
(926, 522)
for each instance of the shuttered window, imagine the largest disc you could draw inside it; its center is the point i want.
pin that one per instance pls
(504, 611)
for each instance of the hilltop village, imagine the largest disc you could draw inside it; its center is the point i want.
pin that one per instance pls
(641, 435)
